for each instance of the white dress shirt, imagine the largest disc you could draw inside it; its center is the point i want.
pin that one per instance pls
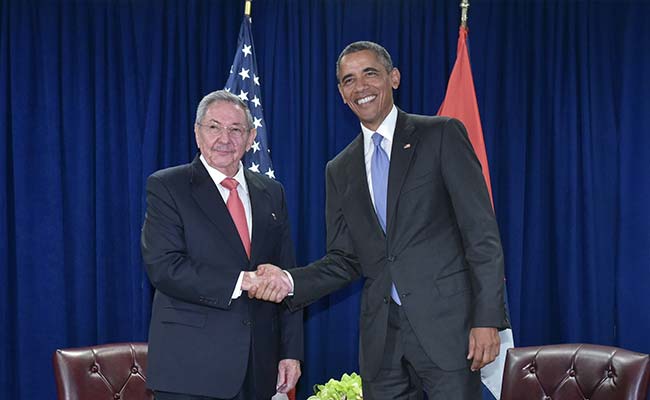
(242, 190)
(387, 130)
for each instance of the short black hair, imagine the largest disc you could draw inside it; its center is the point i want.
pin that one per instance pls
(381, 53)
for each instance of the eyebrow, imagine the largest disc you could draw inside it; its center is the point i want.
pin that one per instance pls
(221, 123)
(367, 69)
(345, 77)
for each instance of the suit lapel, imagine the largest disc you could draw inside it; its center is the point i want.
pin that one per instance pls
(404, 143)
(260, 209)
(209, 199)
(358, 185)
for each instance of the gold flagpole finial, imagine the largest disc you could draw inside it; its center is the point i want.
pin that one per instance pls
(247, 8)
(464, 6)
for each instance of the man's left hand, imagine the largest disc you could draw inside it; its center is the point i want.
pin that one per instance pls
(484, 345)
(288, 374)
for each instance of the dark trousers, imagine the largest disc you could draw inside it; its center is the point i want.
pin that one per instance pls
(407, 371)
(247, 391)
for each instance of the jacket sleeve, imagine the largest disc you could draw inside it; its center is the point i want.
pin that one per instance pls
(291, 322)
(170, 268)
(465, 184)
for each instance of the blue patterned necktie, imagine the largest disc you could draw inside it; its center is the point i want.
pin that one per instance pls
(379, 165)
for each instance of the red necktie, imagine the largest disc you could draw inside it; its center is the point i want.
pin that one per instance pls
(236, 209)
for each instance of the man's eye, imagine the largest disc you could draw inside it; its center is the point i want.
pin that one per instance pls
(237, 132)
(214, 128)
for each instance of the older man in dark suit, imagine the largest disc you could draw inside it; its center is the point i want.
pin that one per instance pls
(407, 209)
(207, 224)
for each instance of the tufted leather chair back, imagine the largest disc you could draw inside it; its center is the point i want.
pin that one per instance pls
(111, 371)
(575, 372)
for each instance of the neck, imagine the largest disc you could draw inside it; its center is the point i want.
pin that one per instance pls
(374, 127)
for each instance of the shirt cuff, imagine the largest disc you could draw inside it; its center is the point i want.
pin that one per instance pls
(291, 279)
(237, 292)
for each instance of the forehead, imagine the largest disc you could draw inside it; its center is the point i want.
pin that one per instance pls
(360, 60)
(225, 112)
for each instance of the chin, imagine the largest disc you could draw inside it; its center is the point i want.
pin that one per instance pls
(369, 121)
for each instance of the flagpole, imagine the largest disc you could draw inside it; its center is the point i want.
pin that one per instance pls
(464, 6)
(247, 8)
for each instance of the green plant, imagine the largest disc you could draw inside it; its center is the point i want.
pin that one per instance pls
(348, 388)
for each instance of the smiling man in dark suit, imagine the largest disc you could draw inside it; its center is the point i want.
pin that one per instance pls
(407, 209)
(207, 224)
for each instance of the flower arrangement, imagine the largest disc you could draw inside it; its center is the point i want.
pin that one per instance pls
(348, 388)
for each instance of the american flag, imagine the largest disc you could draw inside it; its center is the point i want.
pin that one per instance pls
(244, 81)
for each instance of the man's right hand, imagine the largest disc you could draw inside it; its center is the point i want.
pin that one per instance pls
(270, 283)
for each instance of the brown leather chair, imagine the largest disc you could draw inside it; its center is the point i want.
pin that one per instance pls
(110, 371)
(575, 372)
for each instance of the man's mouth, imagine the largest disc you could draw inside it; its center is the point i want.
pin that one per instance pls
(223, 149)
(366, 99)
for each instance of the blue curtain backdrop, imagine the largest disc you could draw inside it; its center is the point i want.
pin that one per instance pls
(96, 95)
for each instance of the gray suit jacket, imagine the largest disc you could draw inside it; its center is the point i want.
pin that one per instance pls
(441, 248)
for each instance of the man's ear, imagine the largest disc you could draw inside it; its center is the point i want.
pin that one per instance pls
(196, 135)
(395, 77)
(251, 139)
(341, 93)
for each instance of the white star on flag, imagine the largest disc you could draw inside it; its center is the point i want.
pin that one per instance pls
(243, 95)
(254, 167)
(256, 101)
(244, 74)
(246, 50)
(257, 158)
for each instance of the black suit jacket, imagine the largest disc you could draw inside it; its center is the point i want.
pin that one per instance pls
(441, 248)
(199, 339)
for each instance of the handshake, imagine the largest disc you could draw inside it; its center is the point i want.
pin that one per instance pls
(268, 283)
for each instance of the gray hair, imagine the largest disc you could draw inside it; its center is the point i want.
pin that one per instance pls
(380, 52)
(222, 95)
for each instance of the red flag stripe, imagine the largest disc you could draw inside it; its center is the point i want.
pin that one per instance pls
(460, 103)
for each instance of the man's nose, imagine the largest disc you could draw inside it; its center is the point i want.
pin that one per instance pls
(360, 84)
(223, 138)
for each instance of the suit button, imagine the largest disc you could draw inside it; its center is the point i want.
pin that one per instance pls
(385, 300)
(246, 322)
(391, 258)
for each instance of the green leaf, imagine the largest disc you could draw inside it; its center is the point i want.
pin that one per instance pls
(349, 386)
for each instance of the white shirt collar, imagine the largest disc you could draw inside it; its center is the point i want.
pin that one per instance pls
(386, 129)
(217, 176)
